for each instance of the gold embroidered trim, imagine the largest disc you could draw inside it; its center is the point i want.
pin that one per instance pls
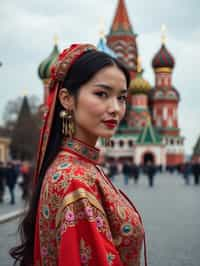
(77, 195)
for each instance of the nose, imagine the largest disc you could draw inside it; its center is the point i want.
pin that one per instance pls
(114, 106)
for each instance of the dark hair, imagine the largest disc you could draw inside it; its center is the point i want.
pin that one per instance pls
(80, 72)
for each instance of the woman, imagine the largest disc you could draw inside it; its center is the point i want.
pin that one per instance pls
(77, 217)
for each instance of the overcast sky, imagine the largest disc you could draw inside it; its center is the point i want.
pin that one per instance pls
(26, 38)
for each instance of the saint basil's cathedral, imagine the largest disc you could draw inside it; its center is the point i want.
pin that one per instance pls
(150, 130)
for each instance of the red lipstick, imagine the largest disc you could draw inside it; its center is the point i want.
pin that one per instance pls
(110, 123)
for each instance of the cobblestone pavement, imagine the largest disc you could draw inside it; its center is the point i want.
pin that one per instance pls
(171, 215)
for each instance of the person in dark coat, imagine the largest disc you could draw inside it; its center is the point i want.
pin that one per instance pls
(135, 172)
(11, 179)
(196, 172)
(2, 181)
(127, 172)
(26, 171)
(186, 171)
(150, 170)
(112, 171)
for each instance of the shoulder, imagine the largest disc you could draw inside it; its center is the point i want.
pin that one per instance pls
(68, 171)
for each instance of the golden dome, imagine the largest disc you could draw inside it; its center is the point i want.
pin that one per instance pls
(139, 85)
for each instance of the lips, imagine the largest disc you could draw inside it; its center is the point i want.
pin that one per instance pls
(110, 123)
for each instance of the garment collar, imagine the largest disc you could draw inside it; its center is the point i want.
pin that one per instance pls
(81, 149)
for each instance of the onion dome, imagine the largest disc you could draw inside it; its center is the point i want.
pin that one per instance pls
(44, 69)
(163, 58)
(102, 47)
(139, 84)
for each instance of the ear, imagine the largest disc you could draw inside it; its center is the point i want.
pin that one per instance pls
(66, 100)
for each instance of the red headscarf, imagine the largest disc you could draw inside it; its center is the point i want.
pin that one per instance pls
(58, 74)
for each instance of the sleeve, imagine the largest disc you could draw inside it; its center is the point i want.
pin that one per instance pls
(84, 236)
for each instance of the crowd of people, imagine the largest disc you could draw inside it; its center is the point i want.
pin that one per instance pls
(189, 170)
(20, 173)
(15, 173)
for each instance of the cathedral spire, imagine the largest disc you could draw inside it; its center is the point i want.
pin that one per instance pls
(121, 23)
(122, 39)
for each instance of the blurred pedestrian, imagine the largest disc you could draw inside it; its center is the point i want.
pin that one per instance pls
(126, 171)
(196, 172)
(11, 179)
(150, 170)
(135, 172)
(112, 170)
(26, 175)
(186, 172)
(2, 181)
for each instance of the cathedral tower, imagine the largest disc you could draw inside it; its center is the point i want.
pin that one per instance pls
(139, 89)
(44, 69)
(164, 104)
(122, 39)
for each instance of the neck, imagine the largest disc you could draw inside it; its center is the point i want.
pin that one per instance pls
(89, 140)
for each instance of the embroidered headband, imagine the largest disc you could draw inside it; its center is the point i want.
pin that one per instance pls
(58, 73)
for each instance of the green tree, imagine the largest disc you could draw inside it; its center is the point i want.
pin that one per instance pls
(25, 133)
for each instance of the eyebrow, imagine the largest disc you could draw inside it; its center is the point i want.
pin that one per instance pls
(107, 87)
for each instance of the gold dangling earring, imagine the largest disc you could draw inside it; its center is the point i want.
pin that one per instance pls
(67, 123)
(70, 124)
(63, 116)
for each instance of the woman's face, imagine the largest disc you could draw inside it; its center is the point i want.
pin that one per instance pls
(101, 105)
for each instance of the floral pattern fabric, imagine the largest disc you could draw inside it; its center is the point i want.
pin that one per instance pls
(82, 218)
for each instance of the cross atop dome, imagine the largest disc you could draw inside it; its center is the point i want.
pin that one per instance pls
(163, 34)
(121, 23)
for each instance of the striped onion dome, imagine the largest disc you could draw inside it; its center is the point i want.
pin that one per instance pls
(139, 85)
(163, 58)
(44, 69)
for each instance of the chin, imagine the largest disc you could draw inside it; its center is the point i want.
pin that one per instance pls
(107, 134)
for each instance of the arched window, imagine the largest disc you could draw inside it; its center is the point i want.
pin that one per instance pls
(112, 143)
(166, 81)
(121, 143)
(158, 122)
(159, 94)
(159, 81)
(171, 94)
(165, 112)
(130, 143)
(170, 122)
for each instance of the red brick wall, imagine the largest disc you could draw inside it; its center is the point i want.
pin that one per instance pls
(173, 159)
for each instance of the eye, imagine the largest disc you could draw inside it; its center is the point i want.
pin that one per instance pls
(102, 94)
(122, 98)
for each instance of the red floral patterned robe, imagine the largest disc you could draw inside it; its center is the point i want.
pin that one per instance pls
(82, 218)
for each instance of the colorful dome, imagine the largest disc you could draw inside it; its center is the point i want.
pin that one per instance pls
(102, 47)
(44, 69)
(163, 58)
(139, 85)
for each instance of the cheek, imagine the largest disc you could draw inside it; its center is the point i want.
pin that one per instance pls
(122, 111)
(91, 107)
